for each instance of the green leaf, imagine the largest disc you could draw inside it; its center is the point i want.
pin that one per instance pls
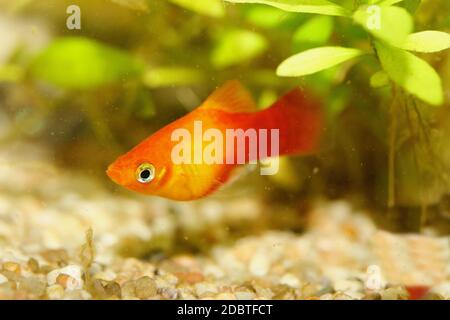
(267, 98)
(427, 41)
(81, 63)
(379, 79)
(212, 8)
(391, 24)
(315, 31)
(236, 46)
(388, 2)
(267, 17)
(410, 72)
(171, 76)
(11, 73)
(314, 60)
(306, 6)
(139, 5)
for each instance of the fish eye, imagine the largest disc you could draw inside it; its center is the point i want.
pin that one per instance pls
(145, 173)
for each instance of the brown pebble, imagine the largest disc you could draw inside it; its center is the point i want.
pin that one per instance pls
(55, 292)
(145, 287)
(372, 296)
(11, 266)
(103, 289)
(33, 285)
(12, 276)
(433, 296)
(98, 291)
(283, 292)
(33, 265)
(113, 289)
(190, 277)
(129, 289)
(45, 269)
(57, 256)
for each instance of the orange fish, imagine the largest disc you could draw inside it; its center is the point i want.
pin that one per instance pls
(294, 124)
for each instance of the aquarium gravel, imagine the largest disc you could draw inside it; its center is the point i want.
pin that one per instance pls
(66, 237)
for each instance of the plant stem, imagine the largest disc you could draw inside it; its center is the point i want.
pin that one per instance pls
(392, 147)
(415, 151)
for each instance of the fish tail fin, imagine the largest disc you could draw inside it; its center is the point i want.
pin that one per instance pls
(298, 116)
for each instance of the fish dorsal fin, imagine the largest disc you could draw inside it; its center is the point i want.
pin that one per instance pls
(230, 97)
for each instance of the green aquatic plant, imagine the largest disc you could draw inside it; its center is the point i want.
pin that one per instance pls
(389, 28)
(82, 63)
(211, 8)
(388, 25)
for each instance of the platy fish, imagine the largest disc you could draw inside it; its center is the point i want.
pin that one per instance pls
(193, 156)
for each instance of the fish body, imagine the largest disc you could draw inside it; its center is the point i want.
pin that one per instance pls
(295, 118)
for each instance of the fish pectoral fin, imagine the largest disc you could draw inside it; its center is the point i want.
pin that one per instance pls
(230, 97)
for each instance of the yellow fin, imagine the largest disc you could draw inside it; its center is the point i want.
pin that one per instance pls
(230, 97)
(234, 186)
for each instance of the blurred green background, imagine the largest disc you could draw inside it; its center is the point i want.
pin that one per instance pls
(135, 65)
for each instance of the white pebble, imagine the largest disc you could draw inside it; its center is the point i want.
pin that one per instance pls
(204, 287)
(214, 271)
(259, 264)
(290, 280)
(3, 279)
(73, 271)
(244, 295)
(225, 296)
(443, 289)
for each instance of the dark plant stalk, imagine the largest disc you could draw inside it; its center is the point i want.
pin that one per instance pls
(392, 139)
(418, 167)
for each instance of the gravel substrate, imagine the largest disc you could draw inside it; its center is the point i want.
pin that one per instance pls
(63, 236)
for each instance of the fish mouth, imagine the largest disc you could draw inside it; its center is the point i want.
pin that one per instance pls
(115, 174)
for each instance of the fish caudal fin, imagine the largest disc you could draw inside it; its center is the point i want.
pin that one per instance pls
(299, 119)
